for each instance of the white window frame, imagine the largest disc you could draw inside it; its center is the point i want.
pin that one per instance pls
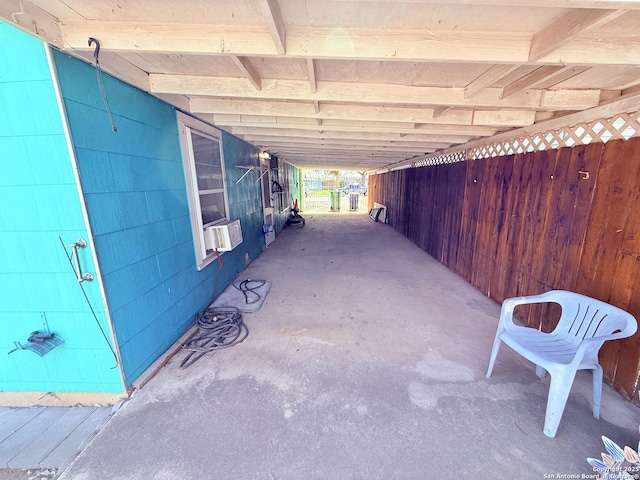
(186, 125)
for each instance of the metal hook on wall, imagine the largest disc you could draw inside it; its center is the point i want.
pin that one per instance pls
(96, 51)
(96, 55)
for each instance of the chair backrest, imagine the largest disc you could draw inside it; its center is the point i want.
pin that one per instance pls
(585, 317)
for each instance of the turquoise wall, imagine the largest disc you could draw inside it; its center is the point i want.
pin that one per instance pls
(40, 203)
(288, 176)
(135, 191)
(245, 197)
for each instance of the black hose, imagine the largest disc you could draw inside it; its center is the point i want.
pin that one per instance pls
(250, 291)
(218, 328)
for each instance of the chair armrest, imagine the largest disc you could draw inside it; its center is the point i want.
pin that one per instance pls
(603, 338)
(509, 305)
(587, 342)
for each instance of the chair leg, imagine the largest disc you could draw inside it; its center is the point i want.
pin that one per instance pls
(561, 382)
(540, 372)
(494, 354)
(597, 390)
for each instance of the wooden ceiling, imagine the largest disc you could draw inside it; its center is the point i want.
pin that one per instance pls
(359, 84)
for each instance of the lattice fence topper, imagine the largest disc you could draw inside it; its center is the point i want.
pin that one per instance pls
(620, 126)
(441, 159)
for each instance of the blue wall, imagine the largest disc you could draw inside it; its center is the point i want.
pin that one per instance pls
(40, 203)
(245, 197)
(135, 190)
(288, 176)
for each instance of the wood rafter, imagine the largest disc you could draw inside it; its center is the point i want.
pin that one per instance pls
(33, 19)
(365, 44)
(566, 27)
(593, 4)
(539, 75)
(439, 111)
(369, 145)
(311, 68)
(244, 65)
(321, 133)
(507, 117)
(273, 17)
(564, 73)
(334, 83)
(488, 78)
(349, 126)
(296, 90)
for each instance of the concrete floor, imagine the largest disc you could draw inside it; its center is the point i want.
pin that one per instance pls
(366, 361)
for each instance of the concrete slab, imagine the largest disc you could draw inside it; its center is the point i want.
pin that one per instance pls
(46, 438)
(246, 295)
(28, 433)
(15, 418)
(72, 444)
(366, 361)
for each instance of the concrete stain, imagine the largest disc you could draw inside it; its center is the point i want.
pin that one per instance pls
(435, 367)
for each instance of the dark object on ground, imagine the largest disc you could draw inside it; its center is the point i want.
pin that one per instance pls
(218, 328)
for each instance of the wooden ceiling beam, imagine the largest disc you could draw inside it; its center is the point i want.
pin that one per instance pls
(565, 73)
(409, 45)
(374, 93)
(295, 132)
(347, 153)
(566, 27)
(504, 118)
(248, 70)
(246, 40)
(568, 99)
(595, 4)
(363, 44)
(539, 75)
(382, 150)
(175, 37)
(311, 68)
(345, 112)
(275, 22)
(379, 127)
(336, 155)
(439, 111)
(488, 78)
(32, 19)
(507, 117)
(280, 140)
(594, 49)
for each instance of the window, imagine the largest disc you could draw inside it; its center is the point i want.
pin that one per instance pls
(204, 171)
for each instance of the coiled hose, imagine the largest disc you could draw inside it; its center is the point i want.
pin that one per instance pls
(250, 290)
(218, 328)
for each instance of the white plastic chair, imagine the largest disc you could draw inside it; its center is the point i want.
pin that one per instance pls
(584, 325)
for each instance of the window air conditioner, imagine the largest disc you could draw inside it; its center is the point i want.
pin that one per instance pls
(223, 237)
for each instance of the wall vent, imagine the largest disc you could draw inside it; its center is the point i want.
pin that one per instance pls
(223, 237)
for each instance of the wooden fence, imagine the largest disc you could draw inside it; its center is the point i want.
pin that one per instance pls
(526, 223)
